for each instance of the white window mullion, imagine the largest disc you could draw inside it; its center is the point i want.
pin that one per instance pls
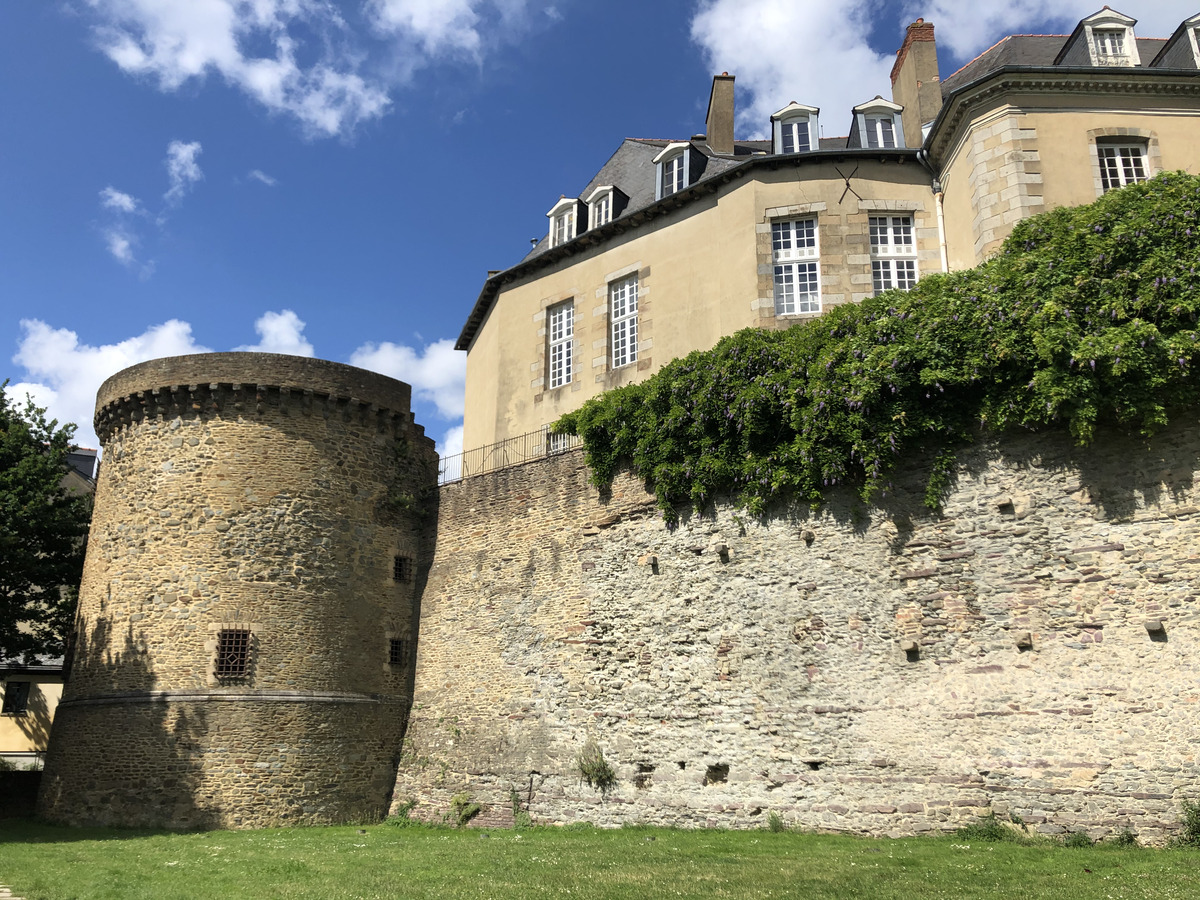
(623, 324)
(560, 335)
(796, 257)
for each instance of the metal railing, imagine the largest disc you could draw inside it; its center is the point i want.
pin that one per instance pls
(502, 454)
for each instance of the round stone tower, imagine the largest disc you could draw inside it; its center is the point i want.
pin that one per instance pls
(245, 642)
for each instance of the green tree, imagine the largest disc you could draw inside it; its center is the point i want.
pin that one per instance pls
(43, 527)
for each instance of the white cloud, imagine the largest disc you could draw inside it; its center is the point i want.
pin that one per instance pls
(280, 332)
(437, 26)
(451, 443)
(437, 374)
(780, 49)
(816, 51)
(173, 43)
(182, 169)
(111, 198)
(120, 245)
(63, 374)
(261, 176)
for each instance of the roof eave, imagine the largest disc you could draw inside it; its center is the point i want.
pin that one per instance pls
(634, 218)
(951, 101)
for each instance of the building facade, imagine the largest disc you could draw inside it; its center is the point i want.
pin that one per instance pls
(674, 244)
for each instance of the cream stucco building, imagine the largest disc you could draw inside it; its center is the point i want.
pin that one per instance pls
(674, 244)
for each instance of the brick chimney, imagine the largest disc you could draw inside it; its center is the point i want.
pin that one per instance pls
(719, 124)
(915, 82)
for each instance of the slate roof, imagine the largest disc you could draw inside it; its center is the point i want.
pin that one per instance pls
(631, 170)
(1027, 50)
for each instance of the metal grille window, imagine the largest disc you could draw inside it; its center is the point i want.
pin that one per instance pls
(399, 651)
(560, 334)
(16, 698)
(1121, 164)
(881, 132)
(622, 317)
(233, 653)
(893, 252)
(795, 136)
(796, 256)
(402, 569)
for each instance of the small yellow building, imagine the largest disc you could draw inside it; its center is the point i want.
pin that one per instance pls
(30, 696)
(674, 244)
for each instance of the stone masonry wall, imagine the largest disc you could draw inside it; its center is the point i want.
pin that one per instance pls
(246, 492)
(1030, 652)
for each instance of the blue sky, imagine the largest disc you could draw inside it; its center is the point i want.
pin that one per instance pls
(336, 178)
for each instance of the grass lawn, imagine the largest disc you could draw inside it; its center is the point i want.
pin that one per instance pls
(385, 861)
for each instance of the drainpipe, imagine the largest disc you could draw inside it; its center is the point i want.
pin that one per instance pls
(938, 197)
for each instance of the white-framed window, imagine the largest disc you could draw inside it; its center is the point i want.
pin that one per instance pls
(794, 129)
(672, 175)
(601, 210)
(878, 125)
(563, 221)
(881, 132)
(893, 253)
(622, 321)
(560, 340)
(796, 256)
(1121, 164)
(671, 169)
(1110, 43)
(564, 227)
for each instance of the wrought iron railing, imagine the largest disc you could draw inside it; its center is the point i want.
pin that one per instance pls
(502, 454)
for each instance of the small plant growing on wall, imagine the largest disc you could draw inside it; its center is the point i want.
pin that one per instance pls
(594, 769)
(463, 809)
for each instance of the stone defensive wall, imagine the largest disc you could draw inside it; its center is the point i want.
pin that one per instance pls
(1030, 652)
(243, 653)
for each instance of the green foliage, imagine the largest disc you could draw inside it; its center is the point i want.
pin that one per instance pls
(987, 828)
(521, 816)
(42, 532)
(775, 822)
(1076, 840)
(463, 809)
(1125, 838)
(1189, 821)
(1087, 317)
(594, 769)
(403, 817)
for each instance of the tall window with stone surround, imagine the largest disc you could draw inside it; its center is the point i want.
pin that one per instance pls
(796, 256)
(560, 338)
(623, 321)
(893, 253)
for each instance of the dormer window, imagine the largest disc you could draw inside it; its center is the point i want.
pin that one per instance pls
(877, 125)
(794, 129)
(672, 167)
(1104, 38)
(600, 206)
(564, 219)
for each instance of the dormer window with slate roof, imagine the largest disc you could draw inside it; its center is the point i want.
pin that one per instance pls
(1182, 49)
(877, 125)
(1104, 38)
(564, 220)
(794, 129)
(672, 169)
